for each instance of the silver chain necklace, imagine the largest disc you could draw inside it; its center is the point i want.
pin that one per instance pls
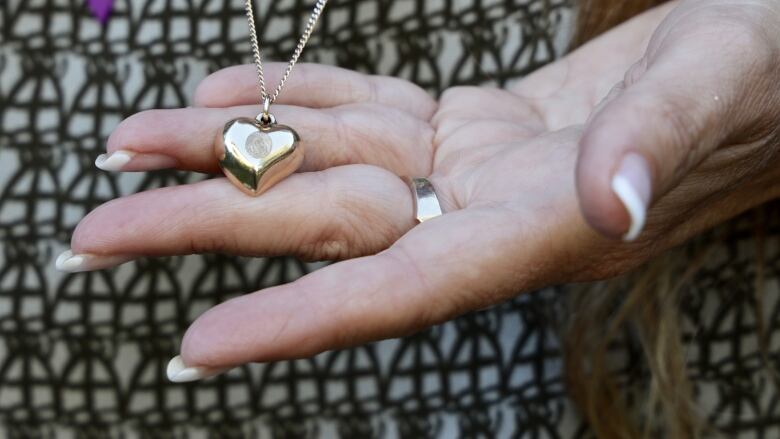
(315, 16)
(255, 154)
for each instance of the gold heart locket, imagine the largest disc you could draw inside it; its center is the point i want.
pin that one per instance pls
(255, 154)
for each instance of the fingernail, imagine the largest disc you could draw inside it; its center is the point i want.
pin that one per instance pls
(75, 263)
(633, 184)
(123, 160)
(114, 161)
(178, 372)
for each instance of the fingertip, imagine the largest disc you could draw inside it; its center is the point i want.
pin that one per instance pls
(600, 205)
(131, 224)
(615, 181)
(229, 334)
(206, 331)
(632, 183)
(218, 89)
(205, 94)
(121, 135)
(69, 262)
(113, 162)
(139, 132)
(615, 195)
(92, 247)
(90, 233)
(264, 326)
(607, 199)
(202, 95)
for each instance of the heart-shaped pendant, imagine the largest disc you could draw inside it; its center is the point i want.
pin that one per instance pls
(255, 156)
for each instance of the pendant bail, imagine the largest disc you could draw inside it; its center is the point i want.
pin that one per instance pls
(266, 118)
(266, 105)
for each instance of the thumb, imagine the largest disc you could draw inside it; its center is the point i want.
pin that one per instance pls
(641, 142)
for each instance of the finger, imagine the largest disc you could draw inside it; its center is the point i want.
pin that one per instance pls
(433, 274)
(350, 134)
(334, 214)
(315, 86)
(676, 107)
(464, 103)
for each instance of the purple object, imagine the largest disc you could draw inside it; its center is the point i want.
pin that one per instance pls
(101, 9)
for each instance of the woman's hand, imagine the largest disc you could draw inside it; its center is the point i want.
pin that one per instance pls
(503, 164)
(693, 132)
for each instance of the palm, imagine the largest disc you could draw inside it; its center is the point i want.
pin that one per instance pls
(504, 159)
(502, 162)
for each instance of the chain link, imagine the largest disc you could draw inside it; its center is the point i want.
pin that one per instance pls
(250, 16)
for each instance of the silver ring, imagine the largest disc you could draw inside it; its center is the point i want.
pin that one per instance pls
(426, 203)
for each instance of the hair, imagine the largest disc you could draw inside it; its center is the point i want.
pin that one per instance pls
(642, 310)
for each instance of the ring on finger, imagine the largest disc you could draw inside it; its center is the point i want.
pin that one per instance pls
(426, 203)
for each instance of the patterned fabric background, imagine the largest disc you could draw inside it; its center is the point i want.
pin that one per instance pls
(84, 355)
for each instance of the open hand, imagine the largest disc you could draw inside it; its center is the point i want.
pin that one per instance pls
(503, 163)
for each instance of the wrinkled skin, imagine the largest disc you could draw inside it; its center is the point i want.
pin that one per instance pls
(523, 175)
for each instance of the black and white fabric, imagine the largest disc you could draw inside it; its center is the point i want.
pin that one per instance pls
(84, 355)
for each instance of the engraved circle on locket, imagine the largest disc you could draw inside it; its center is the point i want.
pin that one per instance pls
(258, 145)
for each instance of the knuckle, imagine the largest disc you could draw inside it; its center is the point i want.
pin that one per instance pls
(210, 244)
(210, 237)
(325, 250)
(761, 54)
(346, 134)
(364, 90)
(633, 75)
(677, 114)
(340, 237)
(681, 120)
(747, 29)
(353, 222)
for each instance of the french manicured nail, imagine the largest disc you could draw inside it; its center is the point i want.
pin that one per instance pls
(124, 160)
(75, 263)
(114, 161)
(633, 185)
(178, 372)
